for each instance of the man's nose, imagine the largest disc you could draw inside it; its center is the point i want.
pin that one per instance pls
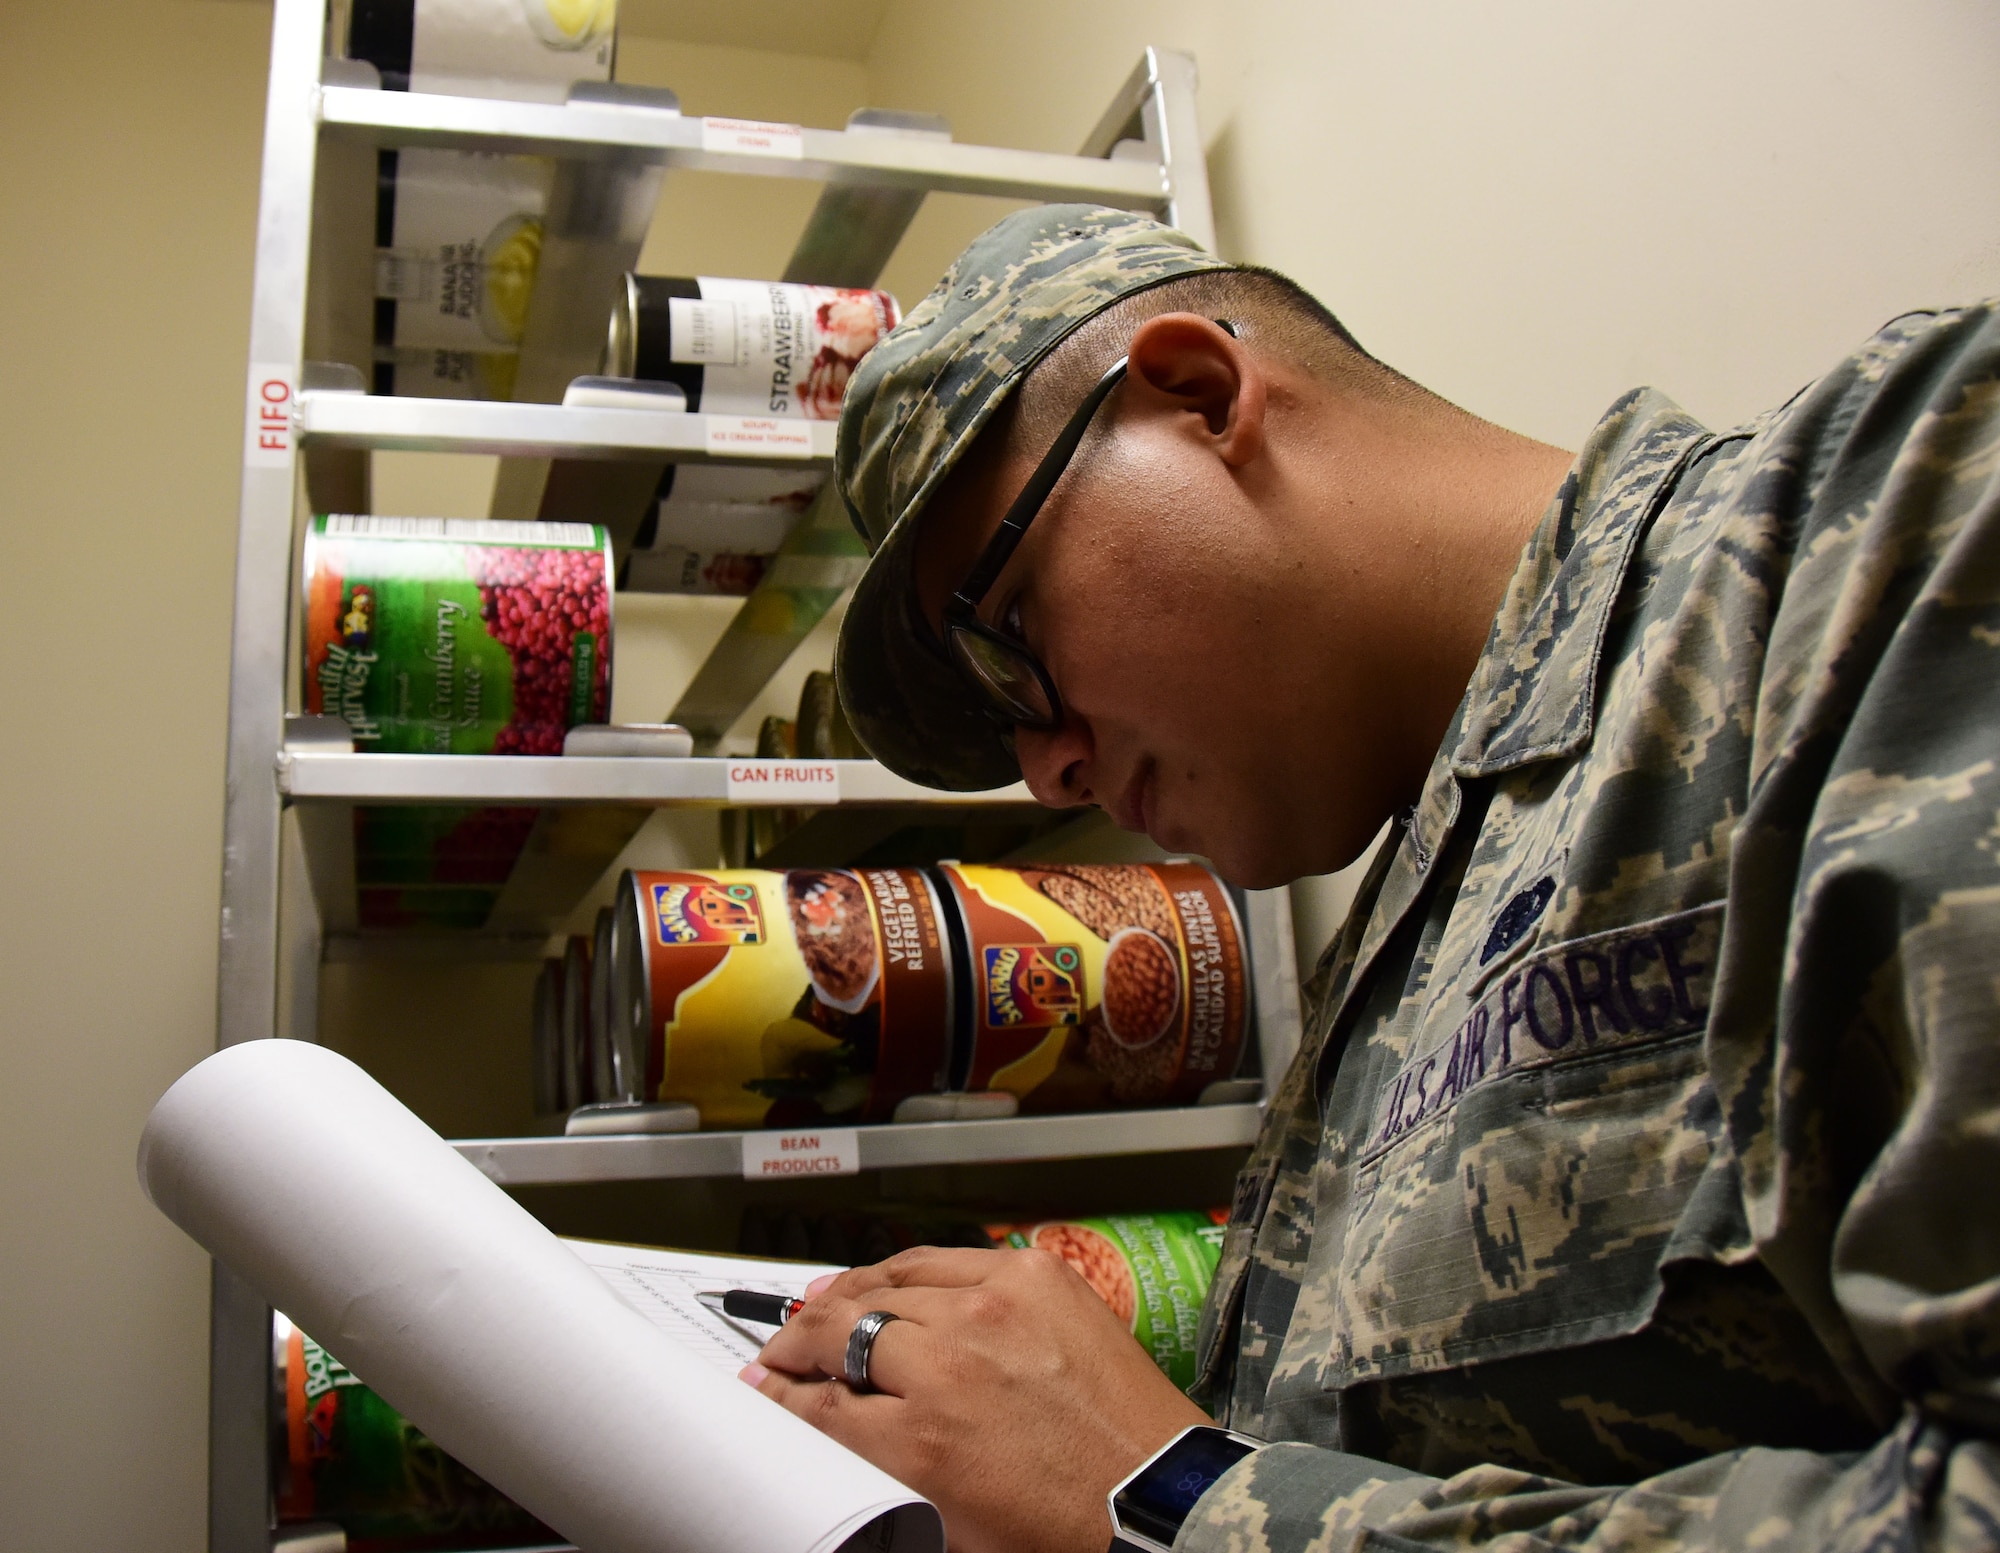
(1056, 764)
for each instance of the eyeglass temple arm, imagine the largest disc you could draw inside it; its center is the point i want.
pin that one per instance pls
(1044, 480)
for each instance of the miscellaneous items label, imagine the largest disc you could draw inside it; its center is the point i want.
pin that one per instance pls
(754, 136)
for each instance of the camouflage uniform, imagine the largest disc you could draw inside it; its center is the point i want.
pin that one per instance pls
(1631, 1187)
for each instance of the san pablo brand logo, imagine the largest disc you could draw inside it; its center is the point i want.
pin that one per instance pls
(343, 672)
(707, 912)
(1032, 986)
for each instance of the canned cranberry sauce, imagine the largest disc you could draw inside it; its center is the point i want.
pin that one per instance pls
(437, 635)
(767, 998)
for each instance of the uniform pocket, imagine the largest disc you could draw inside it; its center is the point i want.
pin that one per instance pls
(1526, 1174)
(1247, 1204)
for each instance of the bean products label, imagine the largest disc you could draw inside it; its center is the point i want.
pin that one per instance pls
(787, 999)
(1101, 985)
(443, 636)
(824, 1151)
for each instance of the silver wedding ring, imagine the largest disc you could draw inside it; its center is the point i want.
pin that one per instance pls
(861, 1345)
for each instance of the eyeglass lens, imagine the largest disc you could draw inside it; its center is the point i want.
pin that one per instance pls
(1006, 673)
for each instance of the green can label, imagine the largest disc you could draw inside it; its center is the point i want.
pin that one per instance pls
(352, 1459)
(1152, 1269)
(448, 637)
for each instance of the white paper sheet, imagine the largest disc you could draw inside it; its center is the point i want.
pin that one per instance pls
(662, 1285)
(341, 1208)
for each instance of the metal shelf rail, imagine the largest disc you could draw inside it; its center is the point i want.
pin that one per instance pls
(306, 441)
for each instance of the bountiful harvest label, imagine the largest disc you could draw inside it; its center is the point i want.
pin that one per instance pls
(784, 781)
(823, 1151)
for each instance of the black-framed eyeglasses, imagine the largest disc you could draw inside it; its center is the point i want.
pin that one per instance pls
(1011, 679)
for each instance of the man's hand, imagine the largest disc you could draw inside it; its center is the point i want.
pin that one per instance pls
(1008, 1394)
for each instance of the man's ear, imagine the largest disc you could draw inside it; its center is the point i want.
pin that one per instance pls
(1187, 363)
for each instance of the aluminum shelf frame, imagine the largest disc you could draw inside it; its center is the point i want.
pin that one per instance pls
(305, 776)
(287, 808)
(596, 129)
(888, 1146)
(339, 419)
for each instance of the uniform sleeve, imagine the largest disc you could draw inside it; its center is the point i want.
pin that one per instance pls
(1854, 1044)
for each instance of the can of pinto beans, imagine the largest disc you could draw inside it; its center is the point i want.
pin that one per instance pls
(1152, 1269)
(1092, 986)
(452, 636)
(776, 999)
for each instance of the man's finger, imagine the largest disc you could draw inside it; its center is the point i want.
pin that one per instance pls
(865, 1424)
(932, 1267)
(814, 1342)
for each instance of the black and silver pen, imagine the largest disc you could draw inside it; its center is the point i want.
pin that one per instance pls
(771, 1310)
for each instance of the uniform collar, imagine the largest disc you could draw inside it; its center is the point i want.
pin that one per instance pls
(1533, 695)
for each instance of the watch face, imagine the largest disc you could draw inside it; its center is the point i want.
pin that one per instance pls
(1158, 1500)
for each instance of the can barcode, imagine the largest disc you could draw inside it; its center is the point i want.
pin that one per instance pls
(575, 536)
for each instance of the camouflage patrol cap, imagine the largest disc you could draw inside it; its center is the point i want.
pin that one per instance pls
(915, 404)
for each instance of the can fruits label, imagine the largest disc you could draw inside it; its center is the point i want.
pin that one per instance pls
(748, 347)
(352, 1459)
(1099, 985)
(1152, 1269)
(450, 636)
(768, 998)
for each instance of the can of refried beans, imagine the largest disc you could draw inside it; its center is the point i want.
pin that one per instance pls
(769, 998)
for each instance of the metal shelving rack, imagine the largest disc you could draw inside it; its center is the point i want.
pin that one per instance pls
(308, 430)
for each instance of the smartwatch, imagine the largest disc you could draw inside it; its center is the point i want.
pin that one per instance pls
(1147, 1509)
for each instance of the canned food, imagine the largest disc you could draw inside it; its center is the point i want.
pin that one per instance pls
(442, 374)
(547, 1048)
(531, 49)
(606, 1079)
(577, 1087)
(1152, 1269)
(713, 529)
(458, 240)
(455, 636)
(434, 866)
(747, 347)
(1120, 984)
(770, 998)
(351, 1459)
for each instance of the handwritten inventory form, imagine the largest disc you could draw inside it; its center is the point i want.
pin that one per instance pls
(661, 1286)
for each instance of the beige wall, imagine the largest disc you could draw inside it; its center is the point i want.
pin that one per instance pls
(1529, 208)
(130, 137)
